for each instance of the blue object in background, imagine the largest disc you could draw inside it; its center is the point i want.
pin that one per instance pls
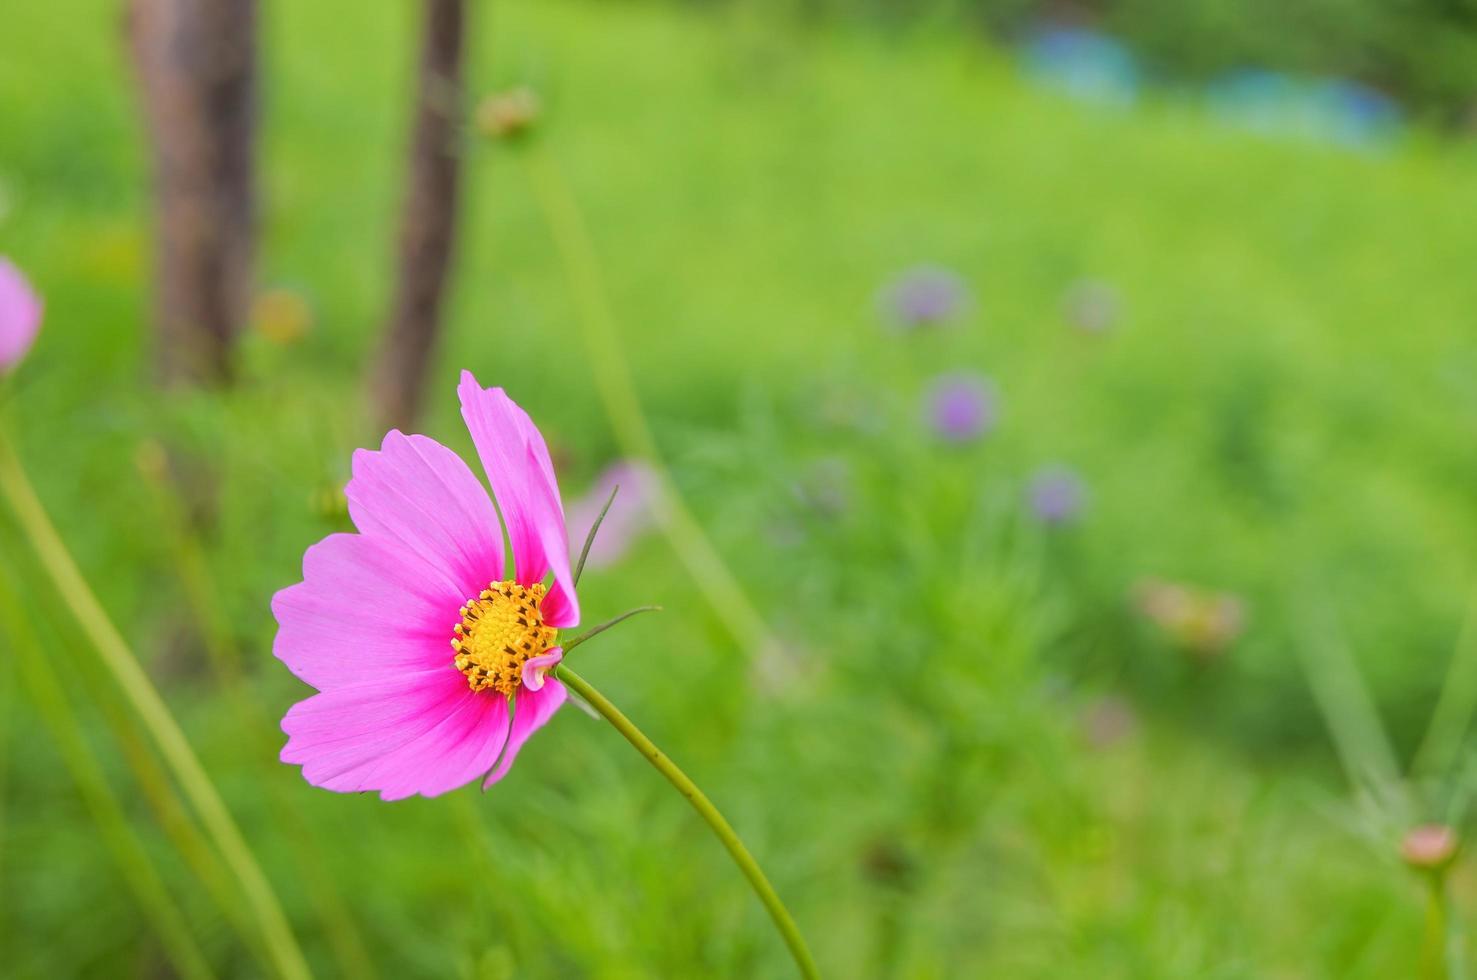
(1331, 110)
(1358, 114)
(1083, 63)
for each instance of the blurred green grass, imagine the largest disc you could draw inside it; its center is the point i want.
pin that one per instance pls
(1287, 405)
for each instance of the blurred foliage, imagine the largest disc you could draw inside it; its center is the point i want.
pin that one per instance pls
(1423, 52)
(1282, 410)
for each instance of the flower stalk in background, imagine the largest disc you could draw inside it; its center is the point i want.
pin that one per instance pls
(606, 356)
(20, 320)
(1430, 850)
(201, 593)
(135, 687)
(435, 661)
(20, 316)
(38, 674)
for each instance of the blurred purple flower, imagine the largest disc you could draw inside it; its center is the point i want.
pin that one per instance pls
(924, 296)
(631, 514)
(1056, 495)
(961, 406)
(20, 315)
(1092, 306)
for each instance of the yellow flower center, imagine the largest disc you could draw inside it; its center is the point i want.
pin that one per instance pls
(501, 630)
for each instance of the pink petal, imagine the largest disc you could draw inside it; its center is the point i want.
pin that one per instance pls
(20, 315)
(518, 467)
(419, 494)
(338, 736)
(535, 668)
(534, 708)
(365, 609)
(423, 733)
(452, 754)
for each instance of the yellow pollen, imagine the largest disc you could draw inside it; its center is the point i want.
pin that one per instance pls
(501, 630)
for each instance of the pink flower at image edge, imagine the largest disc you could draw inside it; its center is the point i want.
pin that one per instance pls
(20, 315)
(429, 656)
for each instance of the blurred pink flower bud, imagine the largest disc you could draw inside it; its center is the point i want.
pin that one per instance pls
(1430, 847)
(20, 315)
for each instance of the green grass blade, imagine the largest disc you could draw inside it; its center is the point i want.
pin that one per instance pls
(132, 858)
(1452, 716)
(135, 685)
(1348, 710)
(623, 407)
(201, 591)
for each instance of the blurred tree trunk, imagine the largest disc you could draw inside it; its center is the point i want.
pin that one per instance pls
(196, 65)
(428, 219)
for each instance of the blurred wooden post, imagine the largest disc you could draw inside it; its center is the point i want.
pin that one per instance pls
(428, 219)
(196, 64)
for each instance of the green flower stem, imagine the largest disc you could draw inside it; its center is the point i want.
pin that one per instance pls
(705, 808)
(133, 861)
(1433, 949)
(135, 685)
(622, 406)
(1453, 943)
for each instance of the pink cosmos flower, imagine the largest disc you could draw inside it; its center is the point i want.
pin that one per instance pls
(429, 654)
(20, 315)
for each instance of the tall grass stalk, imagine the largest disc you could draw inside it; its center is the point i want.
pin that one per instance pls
(1442, 953)
(1441, 747)
(94, 623)
(613, 381)
(1348, 710)
(175, 819)
(162, 796)
(133, 861)
(7, 696)
(201, 592)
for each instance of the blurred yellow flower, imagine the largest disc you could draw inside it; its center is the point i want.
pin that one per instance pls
(282, 316)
